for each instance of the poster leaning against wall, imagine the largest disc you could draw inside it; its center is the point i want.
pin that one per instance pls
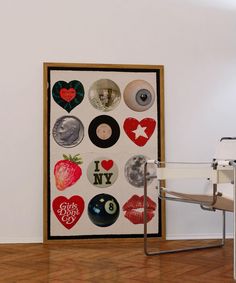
(101, 124)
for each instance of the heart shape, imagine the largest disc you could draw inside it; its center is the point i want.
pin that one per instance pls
(68, 211)
(107, 164)
(68, 95)
(139, 132)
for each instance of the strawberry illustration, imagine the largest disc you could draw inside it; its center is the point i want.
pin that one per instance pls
(67, 171)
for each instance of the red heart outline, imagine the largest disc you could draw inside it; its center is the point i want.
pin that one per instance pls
(68, 211)
(131, 124)
(67, 94)
(107, 164)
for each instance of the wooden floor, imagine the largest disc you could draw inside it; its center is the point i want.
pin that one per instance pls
(109, 261)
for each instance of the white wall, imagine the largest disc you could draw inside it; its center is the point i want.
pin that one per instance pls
(194, 40)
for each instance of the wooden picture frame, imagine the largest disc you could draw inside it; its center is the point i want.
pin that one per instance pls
(101, 122)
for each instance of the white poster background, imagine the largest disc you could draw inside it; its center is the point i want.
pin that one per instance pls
(119, 153)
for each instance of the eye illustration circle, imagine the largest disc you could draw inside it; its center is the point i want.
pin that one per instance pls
(104, 131)
(68, 131)
(139, 95)
(103, 210)
(104, 95)
(134, 171)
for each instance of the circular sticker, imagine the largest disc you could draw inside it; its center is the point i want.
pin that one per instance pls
(103, 210)
(102, 172)
(68, 131)
(68, 95)
(139, 95)
(134, 209)
(104, 95)
(104, 131)
(134, 171)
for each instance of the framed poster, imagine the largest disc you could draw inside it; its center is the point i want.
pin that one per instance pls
(101, 123)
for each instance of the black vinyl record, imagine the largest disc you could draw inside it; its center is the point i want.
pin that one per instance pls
(104, 131)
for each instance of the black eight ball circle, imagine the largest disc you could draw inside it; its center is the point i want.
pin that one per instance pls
(103, 210)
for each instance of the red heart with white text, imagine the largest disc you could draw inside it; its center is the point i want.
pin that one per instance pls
(68, 211)
(139, 131)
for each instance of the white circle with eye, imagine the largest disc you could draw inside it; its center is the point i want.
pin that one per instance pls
(104, 131)
(139, 95)
(110, 207)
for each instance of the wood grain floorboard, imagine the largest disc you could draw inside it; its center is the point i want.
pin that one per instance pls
(113, 260)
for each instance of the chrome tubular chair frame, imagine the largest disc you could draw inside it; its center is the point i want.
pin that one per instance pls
(204, 205)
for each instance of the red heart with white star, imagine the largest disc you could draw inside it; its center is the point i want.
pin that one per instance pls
(139, 131)
(68, 211)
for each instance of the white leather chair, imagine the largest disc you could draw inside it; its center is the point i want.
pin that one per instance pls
(220, 171)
